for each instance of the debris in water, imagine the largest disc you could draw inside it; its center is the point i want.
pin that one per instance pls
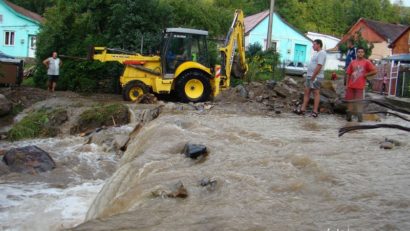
(193, 151)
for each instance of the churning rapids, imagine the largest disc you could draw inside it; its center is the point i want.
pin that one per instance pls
(281, 172)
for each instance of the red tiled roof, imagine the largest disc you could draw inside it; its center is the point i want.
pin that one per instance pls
(25, 12)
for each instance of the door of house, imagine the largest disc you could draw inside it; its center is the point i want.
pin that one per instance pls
(32, 40)
(300, 53)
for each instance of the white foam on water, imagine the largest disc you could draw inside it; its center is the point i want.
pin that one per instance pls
(38, 207)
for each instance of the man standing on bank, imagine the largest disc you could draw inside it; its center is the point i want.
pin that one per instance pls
(351, 55)
(357, 73)
(53, 65)
(315, 75)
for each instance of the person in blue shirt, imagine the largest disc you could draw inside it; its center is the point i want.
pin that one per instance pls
(350, 55)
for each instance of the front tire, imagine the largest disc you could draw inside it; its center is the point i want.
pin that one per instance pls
(194, 87)
(134, 90)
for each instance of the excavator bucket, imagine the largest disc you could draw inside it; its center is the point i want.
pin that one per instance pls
(237, 71)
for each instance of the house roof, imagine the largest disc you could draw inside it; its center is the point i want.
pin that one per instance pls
(395, 40)
(253, 20)
(25, 12)
(5, 56)
(387, 30)
(309, 33)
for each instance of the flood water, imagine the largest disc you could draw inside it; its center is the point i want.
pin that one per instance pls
(58, 199)
(270, 173)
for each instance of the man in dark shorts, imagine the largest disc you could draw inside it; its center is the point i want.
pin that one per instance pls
(53, 65)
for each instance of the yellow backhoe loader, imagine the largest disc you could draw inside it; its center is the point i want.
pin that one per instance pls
(182, 66)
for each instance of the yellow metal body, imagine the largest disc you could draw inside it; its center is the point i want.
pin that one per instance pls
(148, 69)
(234, 43)
(153, 77)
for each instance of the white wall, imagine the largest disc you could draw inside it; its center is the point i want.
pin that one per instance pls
(333, 62)
(329, 42)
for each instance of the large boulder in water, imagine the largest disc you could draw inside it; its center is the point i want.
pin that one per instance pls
(5, 105)
(29, 159)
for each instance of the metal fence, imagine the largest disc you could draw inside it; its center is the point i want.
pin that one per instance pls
(398, 79)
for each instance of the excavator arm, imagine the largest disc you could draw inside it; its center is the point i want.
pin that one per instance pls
(234, 43)
(104, 54)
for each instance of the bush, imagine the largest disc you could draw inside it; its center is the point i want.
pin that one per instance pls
(102, 115)
(40, 123)
(28, 82)
(263, 65)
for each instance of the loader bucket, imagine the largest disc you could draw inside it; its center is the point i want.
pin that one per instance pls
(237, 71)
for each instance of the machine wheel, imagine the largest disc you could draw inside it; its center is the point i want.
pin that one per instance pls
(193, 86)
(134, 90)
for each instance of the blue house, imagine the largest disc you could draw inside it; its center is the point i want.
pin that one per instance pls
(18, 28)
(292, 45)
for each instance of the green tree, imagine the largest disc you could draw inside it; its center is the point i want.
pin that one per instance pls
(37, 6)
(71, 27)
(358, 41)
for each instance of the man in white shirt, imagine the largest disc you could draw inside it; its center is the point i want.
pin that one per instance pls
(315, 75)
(53, 65)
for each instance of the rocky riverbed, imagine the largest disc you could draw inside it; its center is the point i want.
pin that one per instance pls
(265, 167)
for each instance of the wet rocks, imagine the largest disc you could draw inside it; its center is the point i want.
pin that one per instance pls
(147, 99)
(209, 183)
(146, 115)
(176, 191)
(271, 84)
(179, 191)
(193, 151)
(389, 144)
(241, 90)
(5, 105)
(29, 160)
(386, 145)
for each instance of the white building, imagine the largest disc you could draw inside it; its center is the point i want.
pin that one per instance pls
(329, 43)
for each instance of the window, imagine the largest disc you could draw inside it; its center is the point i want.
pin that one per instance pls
(33, 41)
(274, 45)
(9, 38)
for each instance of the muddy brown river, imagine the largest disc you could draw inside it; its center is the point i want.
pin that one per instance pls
(281, 172)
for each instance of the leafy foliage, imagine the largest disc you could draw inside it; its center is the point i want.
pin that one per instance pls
(358, 41)
(39, 123)
(37, 6)
(262, 64)
(72, 26)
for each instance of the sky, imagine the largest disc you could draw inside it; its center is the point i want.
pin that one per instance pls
(405, 2)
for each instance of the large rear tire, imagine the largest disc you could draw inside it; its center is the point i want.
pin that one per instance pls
(134, 90)
(193, 86)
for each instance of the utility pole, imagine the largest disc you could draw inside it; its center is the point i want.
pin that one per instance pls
(142, 43)
(269, 39)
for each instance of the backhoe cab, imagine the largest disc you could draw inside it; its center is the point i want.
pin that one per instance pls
(183, 65)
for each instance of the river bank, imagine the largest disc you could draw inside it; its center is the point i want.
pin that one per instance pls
(271, 170)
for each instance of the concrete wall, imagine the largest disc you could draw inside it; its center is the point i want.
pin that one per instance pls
(380, 51)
